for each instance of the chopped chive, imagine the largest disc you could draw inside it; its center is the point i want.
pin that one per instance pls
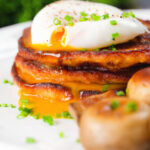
(56, 21)
(0, 105)
(11, 83)
(64, 114)
(114, 104)
(131, 107)
(61, 135)
(128, 14)
(125, 15)
(113, 22)
(30, 140)
(132, 15)
(115, 35)
(4, 105)
(77, 140)
(95, 17)
(12, 106)
(37, 116)
(48, 119)
(68, 18)
(120, 93)
(96, 49)
(83, 14)
(5, 81)
(113, 48)
(24, 102)
(106, 16)
(82, 19)
(105, 88)
(24, 112)
(127, 91)
(70, 23)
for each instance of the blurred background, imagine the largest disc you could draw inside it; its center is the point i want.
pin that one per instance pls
(16, 11)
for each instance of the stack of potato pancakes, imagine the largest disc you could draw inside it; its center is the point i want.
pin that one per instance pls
(71, 75)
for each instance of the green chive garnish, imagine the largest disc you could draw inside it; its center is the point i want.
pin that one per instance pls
(115, 35)
(114, 104)
(105, 88)
(113, 48)
(83, 14)
(48, 119)
(64, 114)
(96, 49)
(113, 22)
(37, 116)
(132, 15)
(120, 93)
(106, 16)
(5, 81)
(12, 106)
(4, 105)
(30, 140)
(125, 15)
(61, 135)
(77, 140)
(68, 18)
(128, 14)
(70, 23)
(56, 21)
(24, 112)
(95, 17)
(127, 91)
(24, 102)
(82, 19)
(131, 107)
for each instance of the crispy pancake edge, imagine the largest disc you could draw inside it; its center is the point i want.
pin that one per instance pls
(111, 60)
(43, 73)
(46, 90)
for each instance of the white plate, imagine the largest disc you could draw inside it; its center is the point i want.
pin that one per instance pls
(13, 132)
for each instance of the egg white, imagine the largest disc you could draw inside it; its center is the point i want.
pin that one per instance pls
(88, 34)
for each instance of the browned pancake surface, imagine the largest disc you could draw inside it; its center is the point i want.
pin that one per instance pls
(40, 73)
(128, 54)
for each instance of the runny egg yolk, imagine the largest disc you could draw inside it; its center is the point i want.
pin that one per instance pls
(57, 36)
(57, 41)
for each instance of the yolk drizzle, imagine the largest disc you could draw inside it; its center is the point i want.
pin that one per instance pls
(48, 102)
(43, 106)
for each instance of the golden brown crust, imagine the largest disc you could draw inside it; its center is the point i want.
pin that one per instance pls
(70, 90)
(132, 53)
(45, 90)
(46, 73)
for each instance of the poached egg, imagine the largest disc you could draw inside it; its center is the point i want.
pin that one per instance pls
(89, 34)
